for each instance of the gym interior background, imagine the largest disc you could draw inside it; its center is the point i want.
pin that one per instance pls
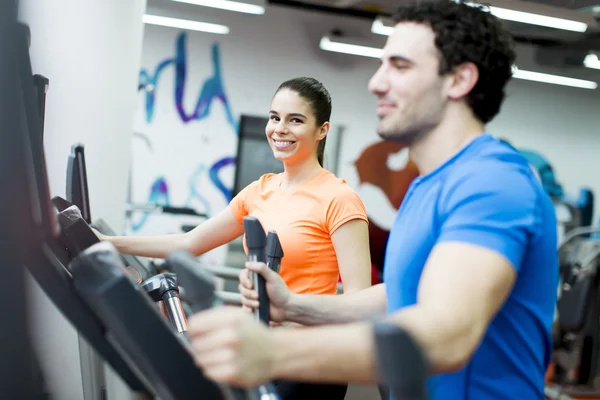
(159, 110)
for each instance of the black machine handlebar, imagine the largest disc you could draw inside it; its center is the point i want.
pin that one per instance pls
(198, 282)
(256, 241)
(77, 185)
(146, 271)
(76, 235)
(274, 251)
(400, 362)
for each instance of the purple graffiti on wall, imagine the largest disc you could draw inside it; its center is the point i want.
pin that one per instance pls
(212, 89)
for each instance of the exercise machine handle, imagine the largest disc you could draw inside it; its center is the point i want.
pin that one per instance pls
(198, 282)
(164, 290)
(400, 362)
(256, 240)
(200, 293)
(274, 251)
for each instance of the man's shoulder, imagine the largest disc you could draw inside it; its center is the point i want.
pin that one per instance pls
(494, 166)
(496, 177)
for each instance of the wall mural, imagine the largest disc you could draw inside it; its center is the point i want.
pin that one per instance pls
(212, 90)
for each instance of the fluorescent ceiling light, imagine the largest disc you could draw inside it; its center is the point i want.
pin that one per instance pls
(591, 61)
(380, 27)
(537, 19)
(185, 24)
(228, 5)
(365, 51)
(339, 47)
(553, 79)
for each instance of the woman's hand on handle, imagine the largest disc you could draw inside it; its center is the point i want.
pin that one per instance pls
(279, 294)
(101, 236)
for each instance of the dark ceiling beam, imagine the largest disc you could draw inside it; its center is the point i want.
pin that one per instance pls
(353, 12)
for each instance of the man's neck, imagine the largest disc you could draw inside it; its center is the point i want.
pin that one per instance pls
(296, 173)
(444, 141)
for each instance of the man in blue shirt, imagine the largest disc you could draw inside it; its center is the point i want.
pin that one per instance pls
(471, 268)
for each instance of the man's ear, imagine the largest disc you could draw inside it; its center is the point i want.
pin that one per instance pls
(463, 80)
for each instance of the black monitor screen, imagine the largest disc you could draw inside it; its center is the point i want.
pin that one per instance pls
(255, 157)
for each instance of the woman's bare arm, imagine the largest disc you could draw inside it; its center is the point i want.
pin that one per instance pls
(215, 232)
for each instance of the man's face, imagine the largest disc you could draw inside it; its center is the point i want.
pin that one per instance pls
(409, 89)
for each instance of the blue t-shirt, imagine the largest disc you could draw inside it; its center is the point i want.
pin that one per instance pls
(486, 195)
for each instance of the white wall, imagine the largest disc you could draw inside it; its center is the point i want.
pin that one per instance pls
(562, 124)
(90, 51)
(262, 51)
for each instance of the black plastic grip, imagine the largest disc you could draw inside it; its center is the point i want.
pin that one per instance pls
(400, 362)
(145, 271)
(75, 233)
(256, 240)
(199, 284)
(77, 184)
(274, 251)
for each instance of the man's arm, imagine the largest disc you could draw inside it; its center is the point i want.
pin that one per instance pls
(307, 309)
(461, 289)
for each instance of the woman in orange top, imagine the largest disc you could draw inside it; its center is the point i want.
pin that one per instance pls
(321, 222)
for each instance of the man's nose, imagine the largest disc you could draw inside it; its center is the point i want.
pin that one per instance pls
(378, 84)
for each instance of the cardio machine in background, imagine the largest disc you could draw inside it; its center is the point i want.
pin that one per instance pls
(575, 369)
(576, 356)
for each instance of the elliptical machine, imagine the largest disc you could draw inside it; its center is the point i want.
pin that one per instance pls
(576, 331)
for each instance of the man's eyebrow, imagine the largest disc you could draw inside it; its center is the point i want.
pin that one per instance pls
(398, 58)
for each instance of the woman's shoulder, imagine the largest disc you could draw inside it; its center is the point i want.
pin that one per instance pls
(269, 178)
(334, 186)
(265, 178)
(267, 181)
(335, 181)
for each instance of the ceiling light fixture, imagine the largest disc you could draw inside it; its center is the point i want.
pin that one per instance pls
(185, 24)
(228, 5)
(379, 28)
(591, 61)
(347, 48)
(538, 19)
(553, 79)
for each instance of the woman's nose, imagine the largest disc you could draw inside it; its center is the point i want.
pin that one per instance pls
(281, 129)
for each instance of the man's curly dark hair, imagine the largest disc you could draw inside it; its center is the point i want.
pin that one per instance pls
(469, 33)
